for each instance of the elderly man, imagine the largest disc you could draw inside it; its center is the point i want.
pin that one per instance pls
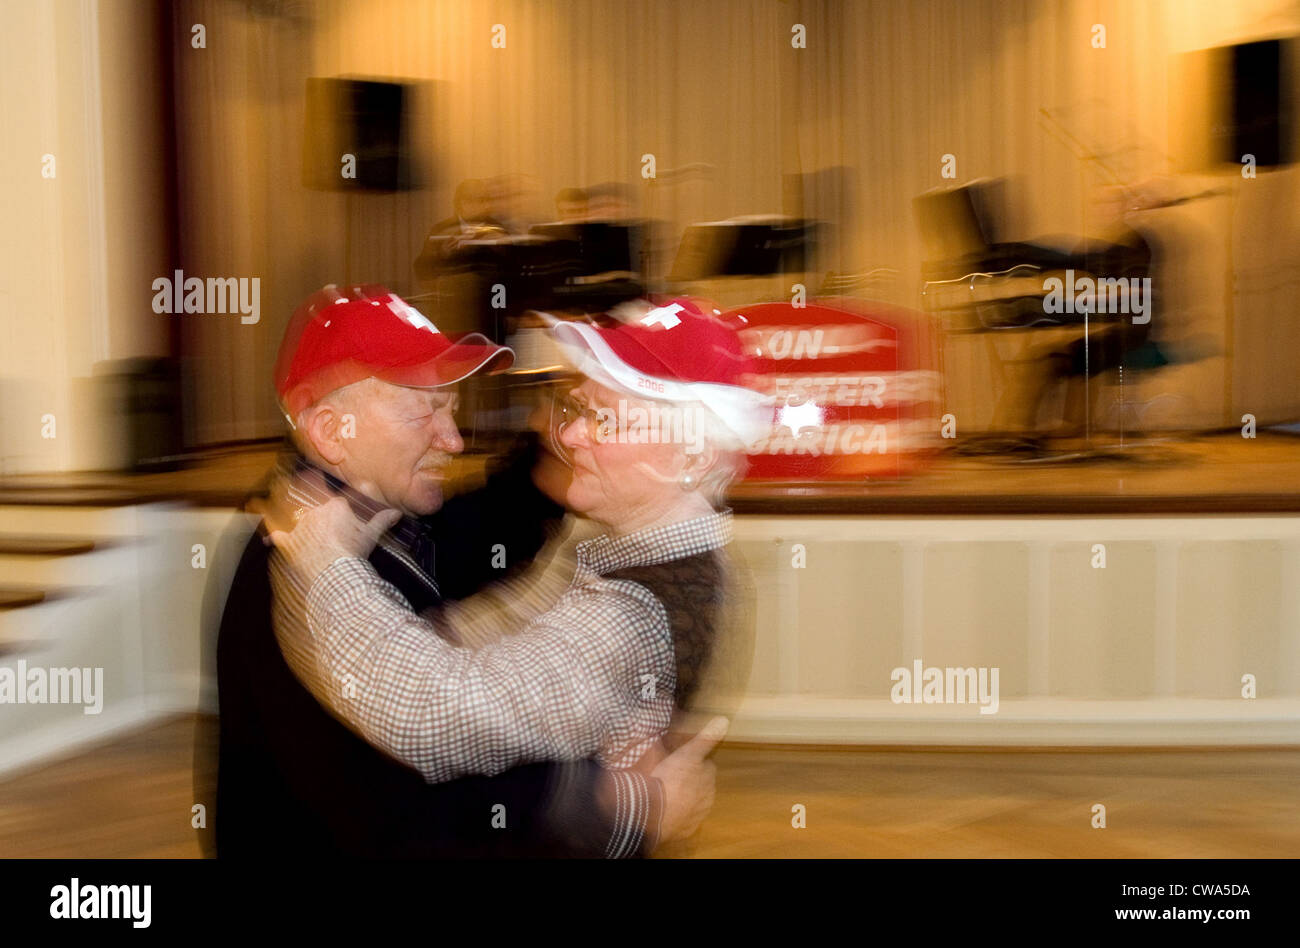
(367, 383)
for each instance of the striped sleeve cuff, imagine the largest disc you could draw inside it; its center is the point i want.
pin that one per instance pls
(638, 805)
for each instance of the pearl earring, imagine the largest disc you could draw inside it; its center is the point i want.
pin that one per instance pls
(687, 482)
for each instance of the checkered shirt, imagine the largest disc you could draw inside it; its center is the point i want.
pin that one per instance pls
(592, 677)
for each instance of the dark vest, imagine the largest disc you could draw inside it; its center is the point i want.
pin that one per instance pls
(293, 781)
(693, 593)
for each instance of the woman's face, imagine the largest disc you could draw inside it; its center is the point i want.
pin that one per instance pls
(619, 479)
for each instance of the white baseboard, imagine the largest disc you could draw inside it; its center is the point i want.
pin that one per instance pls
(1026, 722)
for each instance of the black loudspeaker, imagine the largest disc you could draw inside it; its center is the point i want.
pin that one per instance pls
(366, 120)
(1258, 104)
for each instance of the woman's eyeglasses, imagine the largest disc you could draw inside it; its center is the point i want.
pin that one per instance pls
(568, 410)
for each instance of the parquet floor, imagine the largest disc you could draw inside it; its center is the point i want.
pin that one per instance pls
(132, 798)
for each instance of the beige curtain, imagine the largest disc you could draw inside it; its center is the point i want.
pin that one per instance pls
(731, 111)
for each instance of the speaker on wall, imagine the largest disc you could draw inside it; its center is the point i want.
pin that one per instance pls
(1260, 119)
(1232, 101)
(358, 136)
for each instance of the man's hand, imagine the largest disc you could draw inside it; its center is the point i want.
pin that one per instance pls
(688, 780)
(326, 533)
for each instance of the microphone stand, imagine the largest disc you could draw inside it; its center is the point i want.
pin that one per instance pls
(1056, 128)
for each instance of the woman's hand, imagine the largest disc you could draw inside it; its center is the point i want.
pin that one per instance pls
(327, 533)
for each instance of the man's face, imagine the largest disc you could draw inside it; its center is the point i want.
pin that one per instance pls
(404, 439)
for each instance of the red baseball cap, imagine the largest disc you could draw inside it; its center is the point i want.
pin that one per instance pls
(674, 352)
(343, 335)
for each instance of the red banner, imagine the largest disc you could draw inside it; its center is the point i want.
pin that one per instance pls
(854, 388)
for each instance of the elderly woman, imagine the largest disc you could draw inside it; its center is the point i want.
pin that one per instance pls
(655, 433)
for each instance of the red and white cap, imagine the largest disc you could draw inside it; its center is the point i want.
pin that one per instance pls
(672, 352)
(343, 335)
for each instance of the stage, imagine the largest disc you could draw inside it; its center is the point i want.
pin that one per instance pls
(1193, 474)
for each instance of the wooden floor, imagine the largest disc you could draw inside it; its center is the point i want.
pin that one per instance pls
(133, 798)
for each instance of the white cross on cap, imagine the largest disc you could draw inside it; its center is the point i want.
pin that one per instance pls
(412, 315)
(665, 316)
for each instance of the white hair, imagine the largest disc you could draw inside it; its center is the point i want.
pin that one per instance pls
(729, 454)
(343, 399)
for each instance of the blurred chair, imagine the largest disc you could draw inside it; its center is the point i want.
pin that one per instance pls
(985, 303)
(878, 283)
(974, 285)
(956, 230)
